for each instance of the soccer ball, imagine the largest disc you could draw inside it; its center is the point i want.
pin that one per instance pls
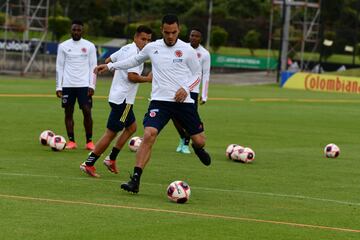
(235, 154)
(331, 150)
(134, 143)
(57, 143)
(178, 191)
(45, 137)
(244, 155)
(229, 150)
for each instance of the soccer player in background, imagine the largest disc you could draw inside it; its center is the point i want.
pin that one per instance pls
(121, 99)
(76, 59)
(176, 71)
(204, 58)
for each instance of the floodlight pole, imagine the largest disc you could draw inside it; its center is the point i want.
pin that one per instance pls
(321, 31)
(356, 31)
(210, 2)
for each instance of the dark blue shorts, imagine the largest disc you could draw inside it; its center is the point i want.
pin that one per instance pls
(160, 112)
(195, 97)
(69, 96)
(121, 116)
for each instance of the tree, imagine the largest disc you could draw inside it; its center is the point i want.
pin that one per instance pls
(218, 37)
(59, 26)
(252, 41)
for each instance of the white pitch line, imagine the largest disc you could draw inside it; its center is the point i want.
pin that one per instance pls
(200, 188)
(196, 214)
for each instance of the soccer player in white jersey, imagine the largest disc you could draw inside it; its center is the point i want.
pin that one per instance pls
(176, 71)
(204, 58)
(76, 59)
(121, 99)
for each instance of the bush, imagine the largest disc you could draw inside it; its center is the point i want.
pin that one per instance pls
(59, 26)
(218, 37)
(115, 26)
(2, 18)
(252, 41)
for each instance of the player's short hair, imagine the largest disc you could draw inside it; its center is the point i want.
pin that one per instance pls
(170, 19)
(196, 29)
(77, 22)
(144, 29)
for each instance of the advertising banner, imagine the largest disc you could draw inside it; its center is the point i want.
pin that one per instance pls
(323, 83)
(218, 60)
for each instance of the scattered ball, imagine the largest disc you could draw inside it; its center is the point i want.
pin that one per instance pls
(229, 150)
(179, 192)
(331, 150)
(45, 137)
(58, 143)
(134, 143)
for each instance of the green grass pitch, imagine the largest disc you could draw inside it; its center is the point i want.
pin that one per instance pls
(291, 191)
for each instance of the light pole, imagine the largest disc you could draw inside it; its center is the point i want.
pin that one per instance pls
(210, 7)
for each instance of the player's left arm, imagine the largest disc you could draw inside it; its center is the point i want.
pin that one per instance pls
(92, 65)
(193, 64)
(191, 82)
(205, 77)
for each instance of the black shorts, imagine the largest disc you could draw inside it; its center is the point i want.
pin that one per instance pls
(69, 96)
(121, 116)
(160, 112)
(195, 97)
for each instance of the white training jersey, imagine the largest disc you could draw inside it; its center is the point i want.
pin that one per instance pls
(204, 58)
(121, 88)
(75, 63)
(173, 67)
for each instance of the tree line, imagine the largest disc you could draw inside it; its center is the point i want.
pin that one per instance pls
(240, 23)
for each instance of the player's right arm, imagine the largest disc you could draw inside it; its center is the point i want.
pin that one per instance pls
(134, 61)
(60, 65)
(136, 78)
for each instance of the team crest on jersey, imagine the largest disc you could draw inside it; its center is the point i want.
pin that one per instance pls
(83, 50)
(199, 55)
(178, 53)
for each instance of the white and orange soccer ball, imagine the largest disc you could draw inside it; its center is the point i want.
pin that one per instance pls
(58, 143)
(229, 150)
(331, 150)
(244, 155)
(179, 192)
(46, 136)
(134, 143)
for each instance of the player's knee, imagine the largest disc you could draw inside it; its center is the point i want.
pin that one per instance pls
(198, 140)
(87, 112)
(150, 135)
(132, 128)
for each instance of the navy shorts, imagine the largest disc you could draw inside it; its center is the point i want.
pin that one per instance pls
(195, 97)
(121, 116)
(69, 96)
(160, 112)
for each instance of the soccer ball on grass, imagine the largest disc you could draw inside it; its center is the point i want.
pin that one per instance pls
(46, 136)
(58, 143)
(331, 150)
(179, 192)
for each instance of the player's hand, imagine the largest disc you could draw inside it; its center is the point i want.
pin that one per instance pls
(202, 102)
(91, 92)
(180, 95)
(59, 93)
(101, 69)
(149, 77)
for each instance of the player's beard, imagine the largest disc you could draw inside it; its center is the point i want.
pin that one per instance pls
(75, 37)
(170, 45)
